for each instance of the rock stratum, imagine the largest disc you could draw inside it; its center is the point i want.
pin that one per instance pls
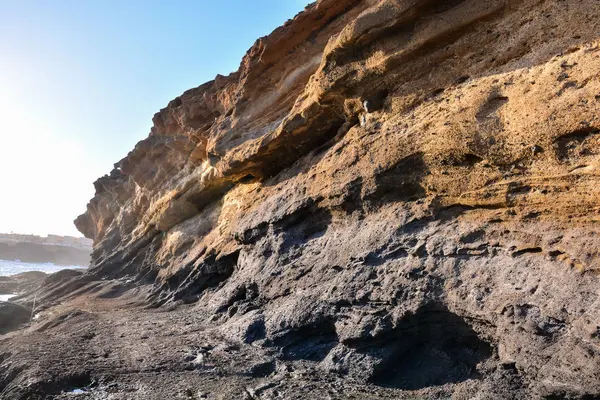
(389, 199)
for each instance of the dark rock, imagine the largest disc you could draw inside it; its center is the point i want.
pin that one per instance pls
(13, 316)
(291, 251)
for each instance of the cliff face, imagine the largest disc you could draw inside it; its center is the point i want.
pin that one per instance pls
(402, 192)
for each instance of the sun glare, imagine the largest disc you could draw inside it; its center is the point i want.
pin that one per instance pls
(44, 175)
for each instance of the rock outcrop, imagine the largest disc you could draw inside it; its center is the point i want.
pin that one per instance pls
(12, 316)
(400, 195)
(20, 283)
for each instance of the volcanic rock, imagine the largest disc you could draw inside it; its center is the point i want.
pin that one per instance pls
(26, 281)
(12, 316)
(389, 199)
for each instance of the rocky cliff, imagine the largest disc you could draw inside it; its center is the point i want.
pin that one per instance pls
(401, 196)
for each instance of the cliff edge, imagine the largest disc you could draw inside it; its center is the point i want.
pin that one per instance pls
(388, 199)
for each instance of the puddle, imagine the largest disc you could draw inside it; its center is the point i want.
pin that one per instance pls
(6, 297)
(78, 391)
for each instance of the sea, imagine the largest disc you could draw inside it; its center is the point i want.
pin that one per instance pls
(8, 268)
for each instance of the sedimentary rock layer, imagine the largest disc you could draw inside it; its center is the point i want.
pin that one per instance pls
(404, 193)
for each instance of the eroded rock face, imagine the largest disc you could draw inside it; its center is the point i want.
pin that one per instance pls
(401, 192)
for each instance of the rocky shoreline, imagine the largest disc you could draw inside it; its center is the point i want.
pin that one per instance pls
(104, 343)
(21, 283)
(390, 199)
(59, 250)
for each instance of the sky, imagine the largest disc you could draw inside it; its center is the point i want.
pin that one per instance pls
(81, 79)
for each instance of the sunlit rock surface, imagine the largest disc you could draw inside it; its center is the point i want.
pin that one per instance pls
(388, 199)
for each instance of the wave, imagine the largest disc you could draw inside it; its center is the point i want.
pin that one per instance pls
(8, 268)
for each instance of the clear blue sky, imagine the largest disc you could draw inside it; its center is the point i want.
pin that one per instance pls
(81, 79)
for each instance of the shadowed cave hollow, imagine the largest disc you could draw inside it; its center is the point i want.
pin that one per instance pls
(431, 347)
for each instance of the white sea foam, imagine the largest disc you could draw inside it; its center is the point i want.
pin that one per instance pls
(8, 268)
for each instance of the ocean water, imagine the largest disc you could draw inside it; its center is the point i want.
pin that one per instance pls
(8, 268)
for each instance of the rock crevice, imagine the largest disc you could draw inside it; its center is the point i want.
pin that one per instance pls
(403, 194)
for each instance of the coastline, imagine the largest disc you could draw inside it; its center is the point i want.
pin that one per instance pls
(15, 267)
(414, 217)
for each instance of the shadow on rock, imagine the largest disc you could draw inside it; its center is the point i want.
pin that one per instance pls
(12, 316)
(429, 348)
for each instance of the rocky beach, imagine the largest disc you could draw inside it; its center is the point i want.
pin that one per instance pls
(57, 250)
(390, 199)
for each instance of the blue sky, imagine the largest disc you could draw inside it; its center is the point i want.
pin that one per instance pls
(81, 79)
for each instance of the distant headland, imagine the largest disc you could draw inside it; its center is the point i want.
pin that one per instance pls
(59, 250)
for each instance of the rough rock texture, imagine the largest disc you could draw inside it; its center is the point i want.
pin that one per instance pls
(25, 282)
(389, 199)
(12, 316)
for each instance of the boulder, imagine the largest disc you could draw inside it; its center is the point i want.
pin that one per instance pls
(13, 316)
